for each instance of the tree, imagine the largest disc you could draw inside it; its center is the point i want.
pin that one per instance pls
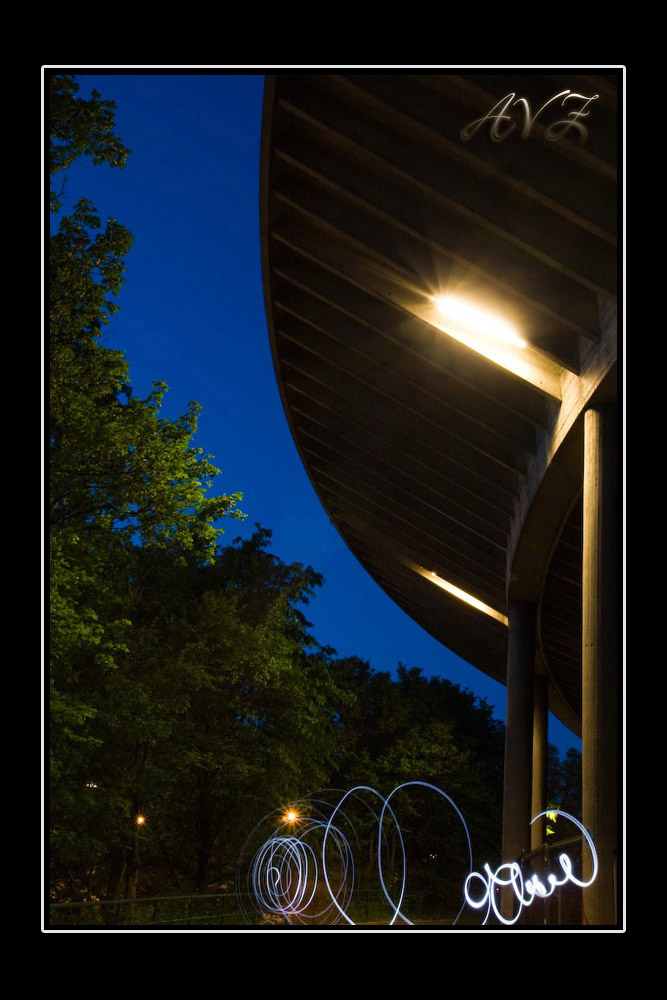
(259, 723)
(563, 789)
(80, 128)
(427, 729)
(115, 465)
(123, 480)
(185, 684)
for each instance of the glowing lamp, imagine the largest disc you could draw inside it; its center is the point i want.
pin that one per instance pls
(140, 820)
(468, 319)
(463, 596)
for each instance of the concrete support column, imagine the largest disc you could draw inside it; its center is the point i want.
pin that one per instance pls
(518, 729)
(599, 659)
(540, 743)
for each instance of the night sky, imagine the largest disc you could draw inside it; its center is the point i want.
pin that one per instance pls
(192, 314)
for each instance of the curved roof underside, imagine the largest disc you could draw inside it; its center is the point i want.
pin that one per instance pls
(417, 444)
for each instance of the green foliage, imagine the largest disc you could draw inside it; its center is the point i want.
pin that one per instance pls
(115, 463)
(117, 466)
(80, 128)
(424, 729)
(257, 724)
(563, 788)
(185, 684)
(122, 479)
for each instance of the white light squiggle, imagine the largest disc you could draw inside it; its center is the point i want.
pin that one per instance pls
(304, 872)
(526, 892)
(283, 877)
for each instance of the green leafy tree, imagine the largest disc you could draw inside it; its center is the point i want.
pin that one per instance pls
(259, 727)
(80, 127)
(186, 687)
(425, 729)
(122, 480)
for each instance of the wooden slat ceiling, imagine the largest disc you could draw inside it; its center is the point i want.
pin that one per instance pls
(417, 445)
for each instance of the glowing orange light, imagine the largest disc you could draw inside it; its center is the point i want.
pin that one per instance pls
(291, 816)
(140, 820)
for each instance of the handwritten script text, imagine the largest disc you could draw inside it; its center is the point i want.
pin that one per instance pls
(501, 113)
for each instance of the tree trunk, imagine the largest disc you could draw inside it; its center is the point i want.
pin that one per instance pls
(203, 859)
(206, 836)
(117, 871)
(131, 880)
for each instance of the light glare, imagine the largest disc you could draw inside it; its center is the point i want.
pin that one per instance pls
(462, 596)
(477, 321)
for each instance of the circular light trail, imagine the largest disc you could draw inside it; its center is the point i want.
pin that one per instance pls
(304, 872)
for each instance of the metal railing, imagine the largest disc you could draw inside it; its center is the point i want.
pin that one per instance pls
(202, 910)
(213, 909)
(565, 907)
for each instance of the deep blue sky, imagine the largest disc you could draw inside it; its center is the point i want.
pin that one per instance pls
(192, 314)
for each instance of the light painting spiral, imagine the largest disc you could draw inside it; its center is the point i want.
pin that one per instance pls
(305, 873)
